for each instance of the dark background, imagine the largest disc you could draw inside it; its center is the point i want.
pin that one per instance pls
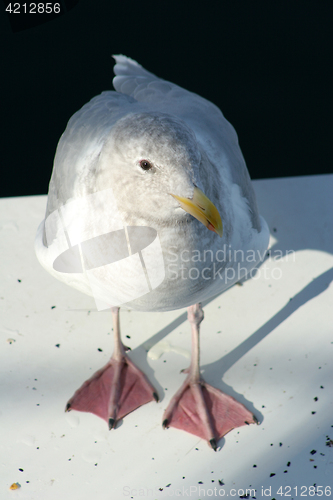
(266, 64)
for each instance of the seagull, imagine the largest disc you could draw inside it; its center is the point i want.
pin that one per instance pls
(150, 207)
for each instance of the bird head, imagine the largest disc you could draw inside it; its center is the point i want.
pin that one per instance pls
(153, 163)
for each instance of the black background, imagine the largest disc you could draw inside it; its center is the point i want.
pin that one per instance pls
(266, 64)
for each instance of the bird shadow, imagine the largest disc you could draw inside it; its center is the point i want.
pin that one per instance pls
(216, 370)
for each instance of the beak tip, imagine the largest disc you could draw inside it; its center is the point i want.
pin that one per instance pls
(218, 231)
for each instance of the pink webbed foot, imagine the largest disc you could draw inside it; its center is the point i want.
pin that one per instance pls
(116, 389)
(199, 408)
(205, 411)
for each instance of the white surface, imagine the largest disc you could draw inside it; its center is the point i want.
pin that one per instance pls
(270, 352)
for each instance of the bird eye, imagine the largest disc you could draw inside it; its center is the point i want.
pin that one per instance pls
(145, 165)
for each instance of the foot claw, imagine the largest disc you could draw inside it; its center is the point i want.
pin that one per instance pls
(112, 423)
(68, 407)
(213, 444)
(155, 396)
(165, 424)
(256, 421)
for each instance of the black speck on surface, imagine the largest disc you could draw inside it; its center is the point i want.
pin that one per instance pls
(128, 336)
(254, 465)
(315, 399)
(314, 466)
(280, 444)
(271, 444)
(313, 412)
(288, 464)
(21, 470)
(164, 361)
(322, 387)
(160, 489)
(197, 449)
(263, 406)
(96, 465)
(57, 345)
(274, 229)
(313, 452)
(53, 307)
(285, 471)
(272, 474)
(221, 483)
(168, 485)
(37, 404)
(329, 442)
(183, 477)
(200, 482)
(100, 350)
(19, 281)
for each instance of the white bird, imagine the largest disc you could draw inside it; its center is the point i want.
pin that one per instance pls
(151, 207)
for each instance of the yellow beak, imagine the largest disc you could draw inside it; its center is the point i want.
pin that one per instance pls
(202, 209)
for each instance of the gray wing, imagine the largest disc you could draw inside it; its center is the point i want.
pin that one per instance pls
(216, 135)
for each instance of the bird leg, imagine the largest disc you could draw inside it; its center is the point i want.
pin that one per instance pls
(116, 389)
(199, 408)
